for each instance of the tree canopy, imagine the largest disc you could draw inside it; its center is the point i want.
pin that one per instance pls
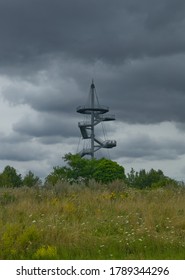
(78, 169)
(82, 170)
(9, 178)
(31, 180)
(144, 179)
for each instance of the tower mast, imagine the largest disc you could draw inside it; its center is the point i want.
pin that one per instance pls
(92, 119)
(97, 115)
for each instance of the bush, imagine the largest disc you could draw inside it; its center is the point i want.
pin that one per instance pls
(46, 253)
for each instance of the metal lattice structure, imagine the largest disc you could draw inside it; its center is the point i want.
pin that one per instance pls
(97, 114)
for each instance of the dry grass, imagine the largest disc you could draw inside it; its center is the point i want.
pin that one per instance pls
(95, 222)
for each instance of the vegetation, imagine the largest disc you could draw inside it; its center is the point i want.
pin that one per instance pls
(31, 180)
(89, 209)
(81, 169)
(95, 222)
(152, 178)
(10, 178)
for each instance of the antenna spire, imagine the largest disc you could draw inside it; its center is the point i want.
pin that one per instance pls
(92, 84)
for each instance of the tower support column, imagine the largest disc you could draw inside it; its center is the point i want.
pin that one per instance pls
(92, 120)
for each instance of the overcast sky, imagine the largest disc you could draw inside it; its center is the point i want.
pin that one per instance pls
(134, 50)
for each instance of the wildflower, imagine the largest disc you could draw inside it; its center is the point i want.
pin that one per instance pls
(112, 196)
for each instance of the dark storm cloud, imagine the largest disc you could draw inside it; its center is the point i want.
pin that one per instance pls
(47, 92)
(13, 138)
(137, 49)
(19, 154)
(165, 13)
(145, 90)
(24, 150)
(31, 28)
(45, 125)
(149, 90)
(90, 30)
(145, 147)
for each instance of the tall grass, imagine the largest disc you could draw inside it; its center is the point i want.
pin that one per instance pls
(94, 222)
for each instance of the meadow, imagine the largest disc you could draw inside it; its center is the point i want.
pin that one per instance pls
(92, 222)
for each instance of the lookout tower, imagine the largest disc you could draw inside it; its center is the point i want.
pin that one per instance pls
(95, 114)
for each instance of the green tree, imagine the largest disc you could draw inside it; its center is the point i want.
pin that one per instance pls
(10, 178)
(81, 169)
(58, 174)
(31, 180)
(107, 171)
(144, 179)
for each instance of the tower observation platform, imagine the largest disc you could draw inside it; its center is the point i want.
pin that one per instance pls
(97, 114)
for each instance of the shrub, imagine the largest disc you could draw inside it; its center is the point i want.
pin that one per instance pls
(46, 253)
(18, 242)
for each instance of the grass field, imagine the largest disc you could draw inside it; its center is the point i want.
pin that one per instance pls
(95, 222)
